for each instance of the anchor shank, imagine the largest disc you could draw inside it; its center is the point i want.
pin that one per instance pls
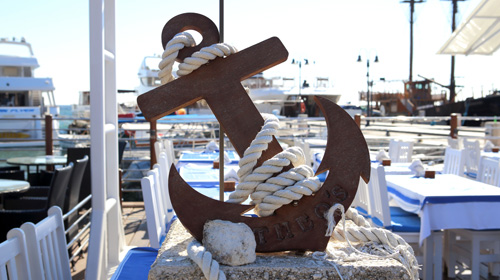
(240, 119)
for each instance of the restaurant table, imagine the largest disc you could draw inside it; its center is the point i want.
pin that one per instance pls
(204, 178)
(11, 186)
(403, 168)
(207, 157)
(203, 175)
(446, 202)
(491, 154)
(37, 161)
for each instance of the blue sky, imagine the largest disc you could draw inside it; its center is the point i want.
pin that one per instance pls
(331, 33)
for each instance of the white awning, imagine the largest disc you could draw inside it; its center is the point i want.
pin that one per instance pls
(479, 34)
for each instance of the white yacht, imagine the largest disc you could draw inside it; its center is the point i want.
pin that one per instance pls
(148, 74)
(22, 96)
(270, 95)
(282, 95)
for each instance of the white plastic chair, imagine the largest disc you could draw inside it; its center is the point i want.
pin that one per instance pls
(169, 150)
(489, 171)
(454, 162)
(394, 220)
(476, 246)
(46, 243)
(159, 148)
(361, 201)
(14, 262)
(400, 151)
(305, 148)
(454, 143)
(472, 156)
(154, 218)
(164, 166)
(473, 248)
(393, 149)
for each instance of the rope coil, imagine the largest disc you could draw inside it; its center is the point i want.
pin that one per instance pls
(199, 58)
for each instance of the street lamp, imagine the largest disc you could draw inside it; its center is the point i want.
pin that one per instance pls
(368, 83)
(299, 62)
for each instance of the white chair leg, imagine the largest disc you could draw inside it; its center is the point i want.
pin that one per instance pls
(495, 267)
(433, 256)
(475, 259)
(438, 255)
(428, 248)
(451, 258)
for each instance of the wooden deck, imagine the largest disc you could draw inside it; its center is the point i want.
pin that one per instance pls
(134, 222)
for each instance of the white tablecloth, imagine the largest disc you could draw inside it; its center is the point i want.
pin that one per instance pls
(447, 202)
(491, 154)
(203, 175)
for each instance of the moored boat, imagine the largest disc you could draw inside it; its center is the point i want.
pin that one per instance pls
(24, 99)
(282, 94)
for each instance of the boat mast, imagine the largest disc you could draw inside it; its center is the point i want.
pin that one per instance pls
(221, 20)
(412, 11)
(452, 74)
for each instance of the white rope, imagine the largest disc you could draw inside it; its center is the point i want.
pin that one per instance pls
(386, 242)
(203, 259)
(180, 40)
(197, 59)
(269, 193)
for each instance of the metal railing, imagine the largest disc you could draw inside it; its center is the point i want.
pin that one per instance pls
(429, 133)
(78, 243)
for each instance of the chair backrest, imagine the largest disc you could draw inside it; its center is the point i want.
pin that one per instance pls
(305, 148)
(362, 199)
(405, 151)
(75, 182)
(14, 262)
(73, 193)
(400, 151)
(159, 148)
(46, 244)
(454, 143)
(168, 145)
(59, 185)
(7, 168)
(12, 174)
(156, 227)
(454, 161)
(393, 149)
(489, 171)
(78, 153)
(379, 198)
(472, 156)
(164, 166)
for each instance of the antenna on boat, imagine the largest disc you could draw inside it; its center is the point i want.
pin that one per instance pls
(412, 10)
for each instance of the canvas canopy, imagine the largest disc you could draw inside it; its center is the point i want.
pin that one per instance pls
(479, 34)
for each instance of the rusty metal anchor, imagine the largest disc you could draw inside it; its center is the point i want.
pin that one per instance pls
(297, 226)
